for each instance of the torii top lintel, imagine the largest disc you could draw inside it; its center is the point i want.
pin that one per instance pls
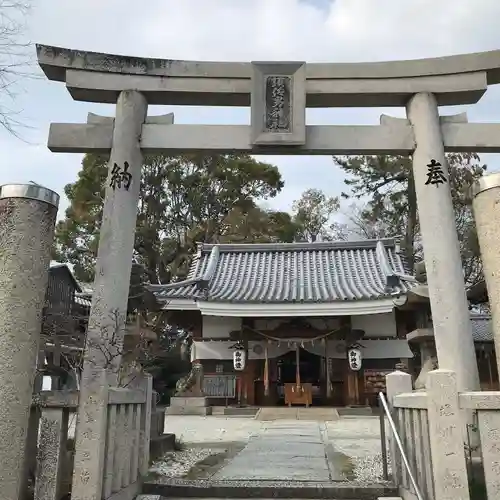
(97, 77)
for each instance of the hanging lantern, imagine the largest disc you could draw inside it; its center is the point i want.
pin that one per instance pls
(239, 360)
(354, 356)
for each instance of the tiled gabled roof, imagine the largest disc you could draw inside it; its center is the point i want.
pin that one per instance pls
(68, 268)
(482, 328)
(293, 272)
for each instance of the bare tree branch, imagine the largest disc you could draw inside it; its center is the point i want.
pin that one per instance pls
(67, 345)
(15, 61)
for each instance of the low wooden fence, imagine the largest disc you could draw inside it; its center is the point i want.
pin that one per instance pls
(219, 386)
(411, 419)
(432, 425)
(126, 447)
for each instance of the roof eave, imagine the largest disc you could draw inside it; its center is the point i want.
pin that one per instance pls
(478, 293)
(340, 308)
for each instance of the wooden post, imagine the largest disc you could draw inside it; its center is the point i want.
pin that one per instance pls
(490, 369)
(239, 383)
(352, 387)
(244, 378)
(266, 372)
(56, 382)
(328, 374)
(297, 365)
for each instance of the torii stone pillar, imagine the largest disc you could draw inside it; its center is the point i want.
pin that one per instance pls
(27, 220)
(450, 311)
(106, 326)
(486, 205)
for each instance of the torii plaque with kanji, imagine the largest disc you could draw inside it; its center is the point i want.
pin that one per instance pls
(278, 103)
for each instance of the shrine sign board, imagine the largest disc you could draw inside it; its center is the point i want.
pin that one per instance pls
(278, 103)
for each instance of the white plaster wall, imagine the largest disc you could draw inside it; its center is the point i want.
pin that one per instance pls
(219, 326)
(376, 325)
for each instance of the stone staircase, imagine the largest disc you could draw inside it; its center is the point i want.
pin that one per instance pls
(318, 414)
(183, 489)
(161, 497)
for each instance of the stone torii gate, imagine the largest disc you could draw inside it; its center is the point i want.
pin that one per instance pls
(278, 93)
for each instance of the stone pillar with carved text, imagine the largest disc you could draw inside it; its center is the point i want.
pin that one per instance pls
(106, 325)
(487, 215)
(450, 312)
(27, 220)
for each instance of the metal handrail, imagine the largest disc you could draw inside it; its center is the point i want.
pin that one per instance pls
(400, 445)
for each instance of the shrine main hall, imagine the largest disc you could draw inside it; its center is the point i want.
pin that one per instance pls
(296, 310)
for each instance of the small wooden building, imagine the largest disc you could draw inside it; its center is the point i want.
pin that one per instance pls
(64, 323)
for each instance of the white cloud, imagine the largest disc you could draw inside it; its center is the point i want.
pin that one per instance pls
(310, 30)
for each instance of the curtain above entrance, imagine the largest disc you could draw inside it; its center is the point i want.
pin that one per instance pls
(371, 349)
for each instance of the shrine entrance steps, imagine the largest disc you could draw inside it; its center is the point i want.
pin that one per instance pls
(181, 490)
(315, 414)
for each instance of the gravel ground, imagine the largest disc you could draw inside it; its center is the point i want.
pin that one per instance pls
(179, 463)
(359, 439)
(369, 469)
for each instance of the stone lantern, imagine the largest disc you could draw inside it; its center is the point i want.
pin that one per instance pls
(424, 338)
(137, 338)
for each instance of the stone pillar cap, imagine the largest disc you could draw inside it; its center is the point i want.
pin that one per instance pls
(30, 191)
(486, 182)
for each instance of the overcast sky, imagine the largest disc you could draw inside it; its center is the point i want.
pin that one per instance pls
(242, 30)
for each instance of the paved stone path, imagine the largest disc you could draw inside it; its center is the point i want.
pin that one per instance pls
(296, 450)
(283, 450)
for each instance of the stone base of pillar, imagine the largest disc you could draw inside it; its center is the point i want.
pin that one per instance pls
(189, 405)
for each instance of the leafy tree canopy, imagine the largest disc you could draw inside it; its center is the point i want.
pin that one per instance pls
(183, 200)
(312, 214)
(385, 185)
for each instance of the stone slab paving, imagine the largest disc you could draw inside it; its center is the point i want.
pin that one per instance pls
(212, 430)
(287, 451)
(355, 437)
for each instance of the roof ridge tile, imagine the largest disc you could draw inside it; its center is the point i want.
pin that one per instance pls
(297, 246)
